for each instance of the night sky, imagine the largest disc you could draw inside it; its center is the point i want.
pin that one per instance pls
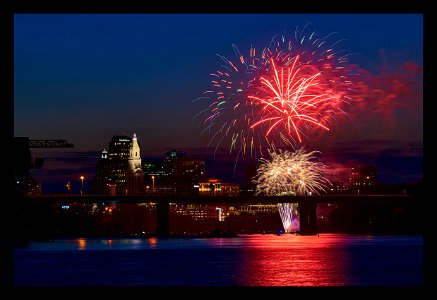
(87, 77)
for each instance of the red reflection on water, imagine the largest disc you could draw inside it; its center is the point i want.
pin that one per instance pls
(153, 242)
(81, 244)
(292, 260)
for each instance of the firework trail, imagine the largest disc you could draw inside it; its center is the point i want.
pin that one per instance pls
(229, 114)
(289, 216)
(290, 173)
(296, 87)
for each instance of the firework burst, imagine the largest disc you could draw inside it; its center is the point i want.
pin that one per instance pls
(293, 101)
(290, 173)
(295, 87)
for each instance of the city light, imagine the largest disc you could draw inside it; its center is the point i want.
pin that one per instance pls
(81, 190)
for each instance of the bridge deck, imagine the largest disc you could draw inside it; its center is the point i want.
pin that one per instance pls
(231, 200)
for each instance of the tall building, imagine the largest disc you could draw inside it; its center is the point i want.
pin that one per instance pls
(102, 181)
(119, 170)
(118, 154)
(135, 177)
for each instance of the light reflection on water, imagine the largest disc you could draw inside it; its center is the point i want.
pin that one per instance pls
(300, 261)
(248, 260)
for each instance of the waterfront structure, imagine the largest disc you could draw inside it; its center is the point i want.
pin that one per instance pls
(214, 187)
(197, 212)
(243, 214)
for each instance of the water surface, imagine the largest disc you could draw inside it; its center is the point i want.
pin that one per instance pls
(247, 260)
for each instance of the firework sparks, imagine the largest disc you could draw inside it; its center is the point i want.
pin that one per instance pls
(290, 173)
(289, 216)
(291, 99)
(230, 112)
(296, 86)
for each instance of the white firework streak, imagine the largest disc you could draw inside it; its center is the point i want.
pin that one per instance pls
(289, 215)
(290, 173)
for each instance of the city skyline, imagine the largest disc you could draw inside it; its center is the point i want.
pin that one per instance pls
(122, 74)
(62, 166)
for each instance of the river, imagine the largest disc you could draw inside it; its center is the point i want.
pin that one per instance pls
(247, 260)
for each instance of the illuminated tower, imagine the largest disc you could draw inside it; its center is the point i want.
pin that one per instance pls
(135, 175)
(118, 155)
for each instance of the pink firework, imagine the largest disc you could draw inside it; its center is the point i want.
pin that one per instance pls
(294, 100)
(294, 88)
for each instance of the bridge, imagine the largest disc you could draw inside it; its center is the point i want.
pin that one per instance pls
(307, 205)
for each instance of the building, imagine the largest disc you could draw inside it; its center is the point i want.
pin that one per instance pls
(119, 170)
(352, 179)
(189, 170)
(180, 168)
(363, 179)
(170, 159)
(178, 174)
(134, 177)
(119, 151)
(102, 181)
(213, 187)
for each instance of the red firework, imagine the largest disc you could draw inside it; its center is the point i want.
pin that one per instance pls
(294, 100)
(295, 87)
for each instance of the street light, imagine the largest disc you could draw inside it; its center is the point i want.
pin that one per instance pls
(153, 184)
(81, 190)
